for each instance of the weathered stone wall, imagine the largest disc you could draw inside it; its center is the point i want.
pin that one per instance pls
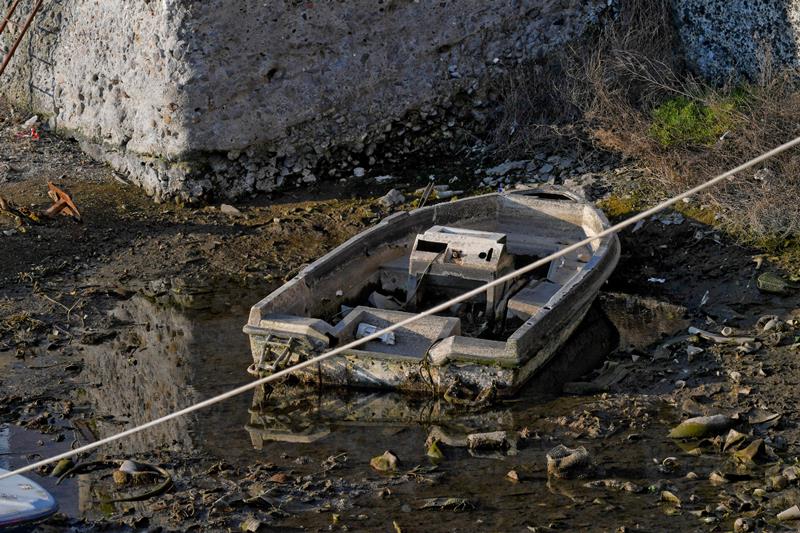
(227, 97)
(232, 96)
(726, 39)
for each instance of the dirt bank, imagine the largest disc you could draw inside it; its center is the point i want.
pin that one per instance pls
(138, 311)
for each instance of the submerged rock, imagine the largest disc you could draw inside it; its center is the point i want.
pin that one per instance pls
(384, 463)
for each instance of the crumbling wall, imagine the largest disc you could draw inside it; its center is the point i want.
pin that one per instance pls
(725, 39)
(108, 72)
(234, 96)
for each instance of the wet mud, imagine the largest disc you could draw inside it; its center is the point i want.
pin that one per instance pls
(139, 311)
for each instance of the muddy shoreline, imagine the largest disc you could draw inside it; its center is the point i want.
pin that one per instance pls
(138, 311)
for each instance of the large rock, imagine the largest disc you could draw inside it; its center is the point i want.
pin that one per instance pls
(725, 39)
(234, 96)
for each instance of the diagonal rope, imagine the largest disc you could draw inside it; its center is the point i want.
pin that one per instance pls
(441, 307)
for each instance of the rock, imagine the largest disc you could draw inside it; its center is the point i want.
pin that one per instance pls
(494, 440)
(392, 198)
(120, 477)
(692, 351)
(229, 210)
(386, 178)
(670, 498)
(505, 168)
(778, 483)
(733, 439)
(742, 525)
(567, 463)
(31, 122)
(754, 451)
(384, 463)
(702, 426)
(513, 476)
(545, 169)
(359, 172)
(448, 504)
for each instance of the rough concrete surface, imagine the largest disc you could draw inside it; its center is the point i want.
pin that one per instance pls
(238, 96)
(724, 39)
(230, 97)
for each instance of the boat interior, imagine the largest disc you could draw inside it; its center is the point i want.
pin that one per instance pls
(440, 261)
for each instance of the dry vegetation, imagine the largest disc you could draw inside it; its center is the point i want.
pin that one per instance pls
(626, 89)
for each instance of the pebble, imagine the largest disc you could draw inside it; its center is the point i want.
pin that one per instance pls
(359, 172)
(229, 210)
(392, 198)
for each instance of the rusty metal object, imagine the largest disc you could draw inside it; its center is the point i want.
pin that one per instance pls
(62, 203)
(21, 35)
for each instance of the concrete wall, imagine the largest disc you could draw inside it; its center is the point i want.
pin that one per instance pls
(232, 96)
(725, 39)
(227, 97)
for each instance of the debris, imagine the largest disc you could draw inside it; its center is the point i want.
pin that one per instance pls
(495, 440)
(772, 283)
(755, 450)
(229, 210)
(719, 339)
(384, 463)
(513, 476)
(692, 350)
(741, 525)
(769, 323)
(62, 203)
(381, 301)
(433, 451)
(448, 504)
(671, 218)
(670, 498)
(792, 513)
(386, 178)
(733, 439)
(31, 122)
(702, 426)
(760, 417)
(509, 166)
(567, 463)
(615, 484)
(727, 331)
(392, 198)
(365, 330)
(656, 280)
(251, 525)
(62, 466)
(120, 478)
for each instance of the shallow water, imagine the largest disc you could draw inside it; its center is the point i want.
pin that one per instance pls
(189, 346)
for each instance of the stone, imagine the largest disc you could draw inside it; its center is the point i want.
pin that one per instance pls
(229, 210)
(384, 463)
(359, 172)
(392, 198)
(505, 168)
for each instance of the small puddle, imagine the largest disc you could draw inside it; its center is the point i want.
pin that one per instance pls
(177, 349)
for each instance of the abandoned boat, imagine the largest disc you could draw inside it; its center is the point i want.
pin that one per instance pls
(414, 260)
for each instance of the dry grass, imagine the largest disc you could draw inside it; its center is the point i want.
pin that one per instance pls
(619, 86)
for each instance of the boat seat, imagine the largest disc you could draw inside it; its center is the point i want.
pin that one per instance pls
(531, 298)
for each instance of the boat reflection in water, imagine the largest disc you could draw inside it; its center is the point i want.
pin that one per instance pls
(303, 415)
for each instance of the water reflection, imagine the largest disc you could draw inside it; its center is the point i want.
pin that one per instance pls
(168, 351)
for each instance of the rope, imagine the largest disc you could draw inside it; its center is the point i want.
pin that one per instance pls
(441, 307)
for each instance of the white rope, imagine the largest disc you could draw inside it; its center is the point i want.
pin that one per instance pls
(441, 307)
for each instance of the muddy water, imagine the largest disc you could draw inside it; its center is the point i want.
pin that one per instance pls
(177, 349)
